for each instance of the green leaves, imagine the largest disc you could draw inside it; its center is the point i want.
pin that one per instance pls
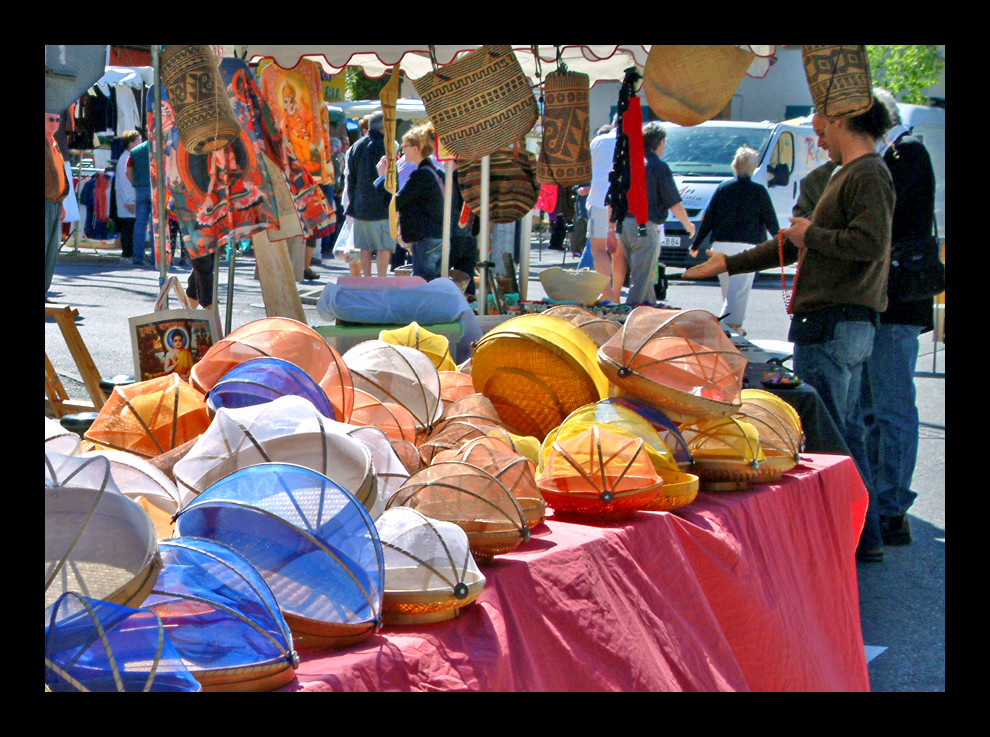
(906, 71)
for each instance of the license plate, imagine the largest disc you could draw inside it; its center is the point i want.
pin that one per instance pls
(671, 241)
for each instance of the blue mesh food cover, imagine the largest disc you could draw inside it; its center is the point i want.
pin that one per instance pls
(262, 380)
(93, 645)
(221, 615)
(313, 542)
(665, 427)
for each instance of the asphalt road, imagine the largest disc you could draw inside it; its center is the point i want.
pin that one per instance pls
(902, 599)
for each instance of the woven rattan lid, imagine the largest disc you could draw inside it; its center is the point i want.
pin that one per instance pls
(536, 369)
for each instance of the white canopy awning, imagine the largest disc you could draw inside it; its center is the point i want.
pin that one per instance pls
(405, 108)
(134, 77)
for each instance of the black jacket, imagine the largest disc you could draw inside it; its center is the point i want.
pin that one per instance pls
(914, 213)
(741, 211)
(419, 203)
(363, 202)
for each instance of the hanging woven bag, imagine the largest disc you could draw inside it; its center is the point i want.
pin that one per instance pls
(839, 79)
(565, 156)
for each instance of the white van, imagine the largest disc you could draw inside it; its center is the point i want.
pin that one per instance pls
(700, 158)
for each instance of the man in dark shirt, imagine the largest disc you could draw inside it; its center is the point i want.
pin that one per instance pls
(643, 250)
(372, 233)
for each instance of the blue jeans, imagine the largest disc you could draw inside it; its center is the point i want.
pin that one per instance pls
(835, 369)
(142, 218)
(426, 255)
(53, 239)
(890, 414)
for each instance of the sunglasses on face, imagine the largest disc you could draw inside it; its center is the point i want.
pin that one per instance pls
(53, 118)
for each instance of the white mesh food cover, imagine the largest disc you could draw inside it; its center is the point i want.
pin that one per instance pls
(146, 484)
(429, 569)
(389, 468)
(60, 440)
(98, 542)
(286, 430)
(399, 374)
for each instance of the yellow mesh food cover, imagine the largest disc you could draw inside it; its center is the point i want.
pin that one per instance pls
(536, 369)
(678, 360)
(398, 374)
(286, 430)
(430, 573)
(590, 470)
(502, 461)
(98, 542)
(679, 487)
(726, 452)
(599, 329)
(285, 338)
(472, 499)
(778, 425)
(151, 417)
(434, 345)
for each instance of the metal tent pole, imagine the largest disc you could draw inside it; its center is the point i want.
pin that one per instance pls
(159, 166)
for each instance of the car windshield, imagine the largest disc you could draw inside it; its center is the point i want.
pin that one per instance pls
(702, 150)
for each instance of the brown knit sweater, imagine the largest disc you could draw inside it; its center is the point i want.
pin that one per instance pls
(847, 246)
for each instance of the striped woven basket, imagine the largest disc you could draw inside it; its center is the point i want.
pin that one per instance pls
(513, 188)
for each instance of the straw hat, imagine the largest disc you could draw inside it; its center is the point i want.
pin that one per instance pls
(689, 84)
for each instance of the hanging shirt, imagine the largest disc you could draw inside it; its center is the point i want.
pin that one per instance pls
(295, 97)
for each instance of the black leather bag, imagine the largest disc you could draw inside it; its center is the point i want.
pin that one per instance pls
(916, 269)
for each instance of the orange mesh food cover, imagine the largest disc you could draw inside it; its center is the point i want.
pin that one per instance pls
(536, 369)
(589, 469)
(151, 417)
(290, 340)
(599, 329)
(454, 385)
(471, 498)
(516, 472)
(679, 360)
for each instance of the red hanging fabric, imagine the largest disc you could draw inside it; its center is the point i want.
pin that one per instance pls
(632, 126)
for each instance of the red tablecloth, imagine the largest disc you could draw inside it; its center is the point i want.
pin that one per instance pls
(753, 590)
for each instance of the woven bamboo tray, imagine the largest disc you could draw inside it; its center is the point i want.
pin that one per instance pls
(488, 539)
(678, 491)
(426, 607)
(255, 678)
(312, 634)
(622, 505)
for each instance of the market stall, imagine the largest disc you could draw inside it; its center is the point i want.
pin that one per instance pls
(748, 591)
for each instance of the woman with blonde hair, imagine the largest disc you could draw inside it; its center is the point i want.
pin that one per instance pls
(738, 217)
(419, 202)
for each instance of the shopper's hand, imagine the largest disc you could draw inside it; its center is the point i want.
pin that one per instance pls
(382, 166)
(795, 233)
(714, 266)
(691, 230)
(611, 242)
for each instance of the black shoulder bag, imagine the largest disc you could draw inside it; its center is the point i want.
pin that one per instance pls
(916, 269)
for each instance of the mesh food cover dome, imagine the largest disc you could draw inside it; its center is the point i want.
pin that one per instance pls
(261, 380)
(727, 453)
(778, 425)
(394, 420)
(287, 430)
(516, 472)
(458, 418)
(151, 417)
(679, 360)
(398, 374)
(599, 329)
(63, 441)
(434, 345)
(454, 385)
(665, 427)
(592, 471)
(679, 488)
(285, 338)
(313, 542)
(430, 573)
(389, 468)
(472, 499)
(98, 542)
(93, 645)
(222, 617)
(146, 484)
(536, 369)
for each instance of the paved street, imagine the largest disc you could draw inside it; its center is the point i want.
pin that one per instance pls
(902, 599)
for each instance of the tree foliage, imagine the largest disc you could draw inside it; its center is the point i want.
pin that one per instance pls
(362, 87)
(906, 71)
